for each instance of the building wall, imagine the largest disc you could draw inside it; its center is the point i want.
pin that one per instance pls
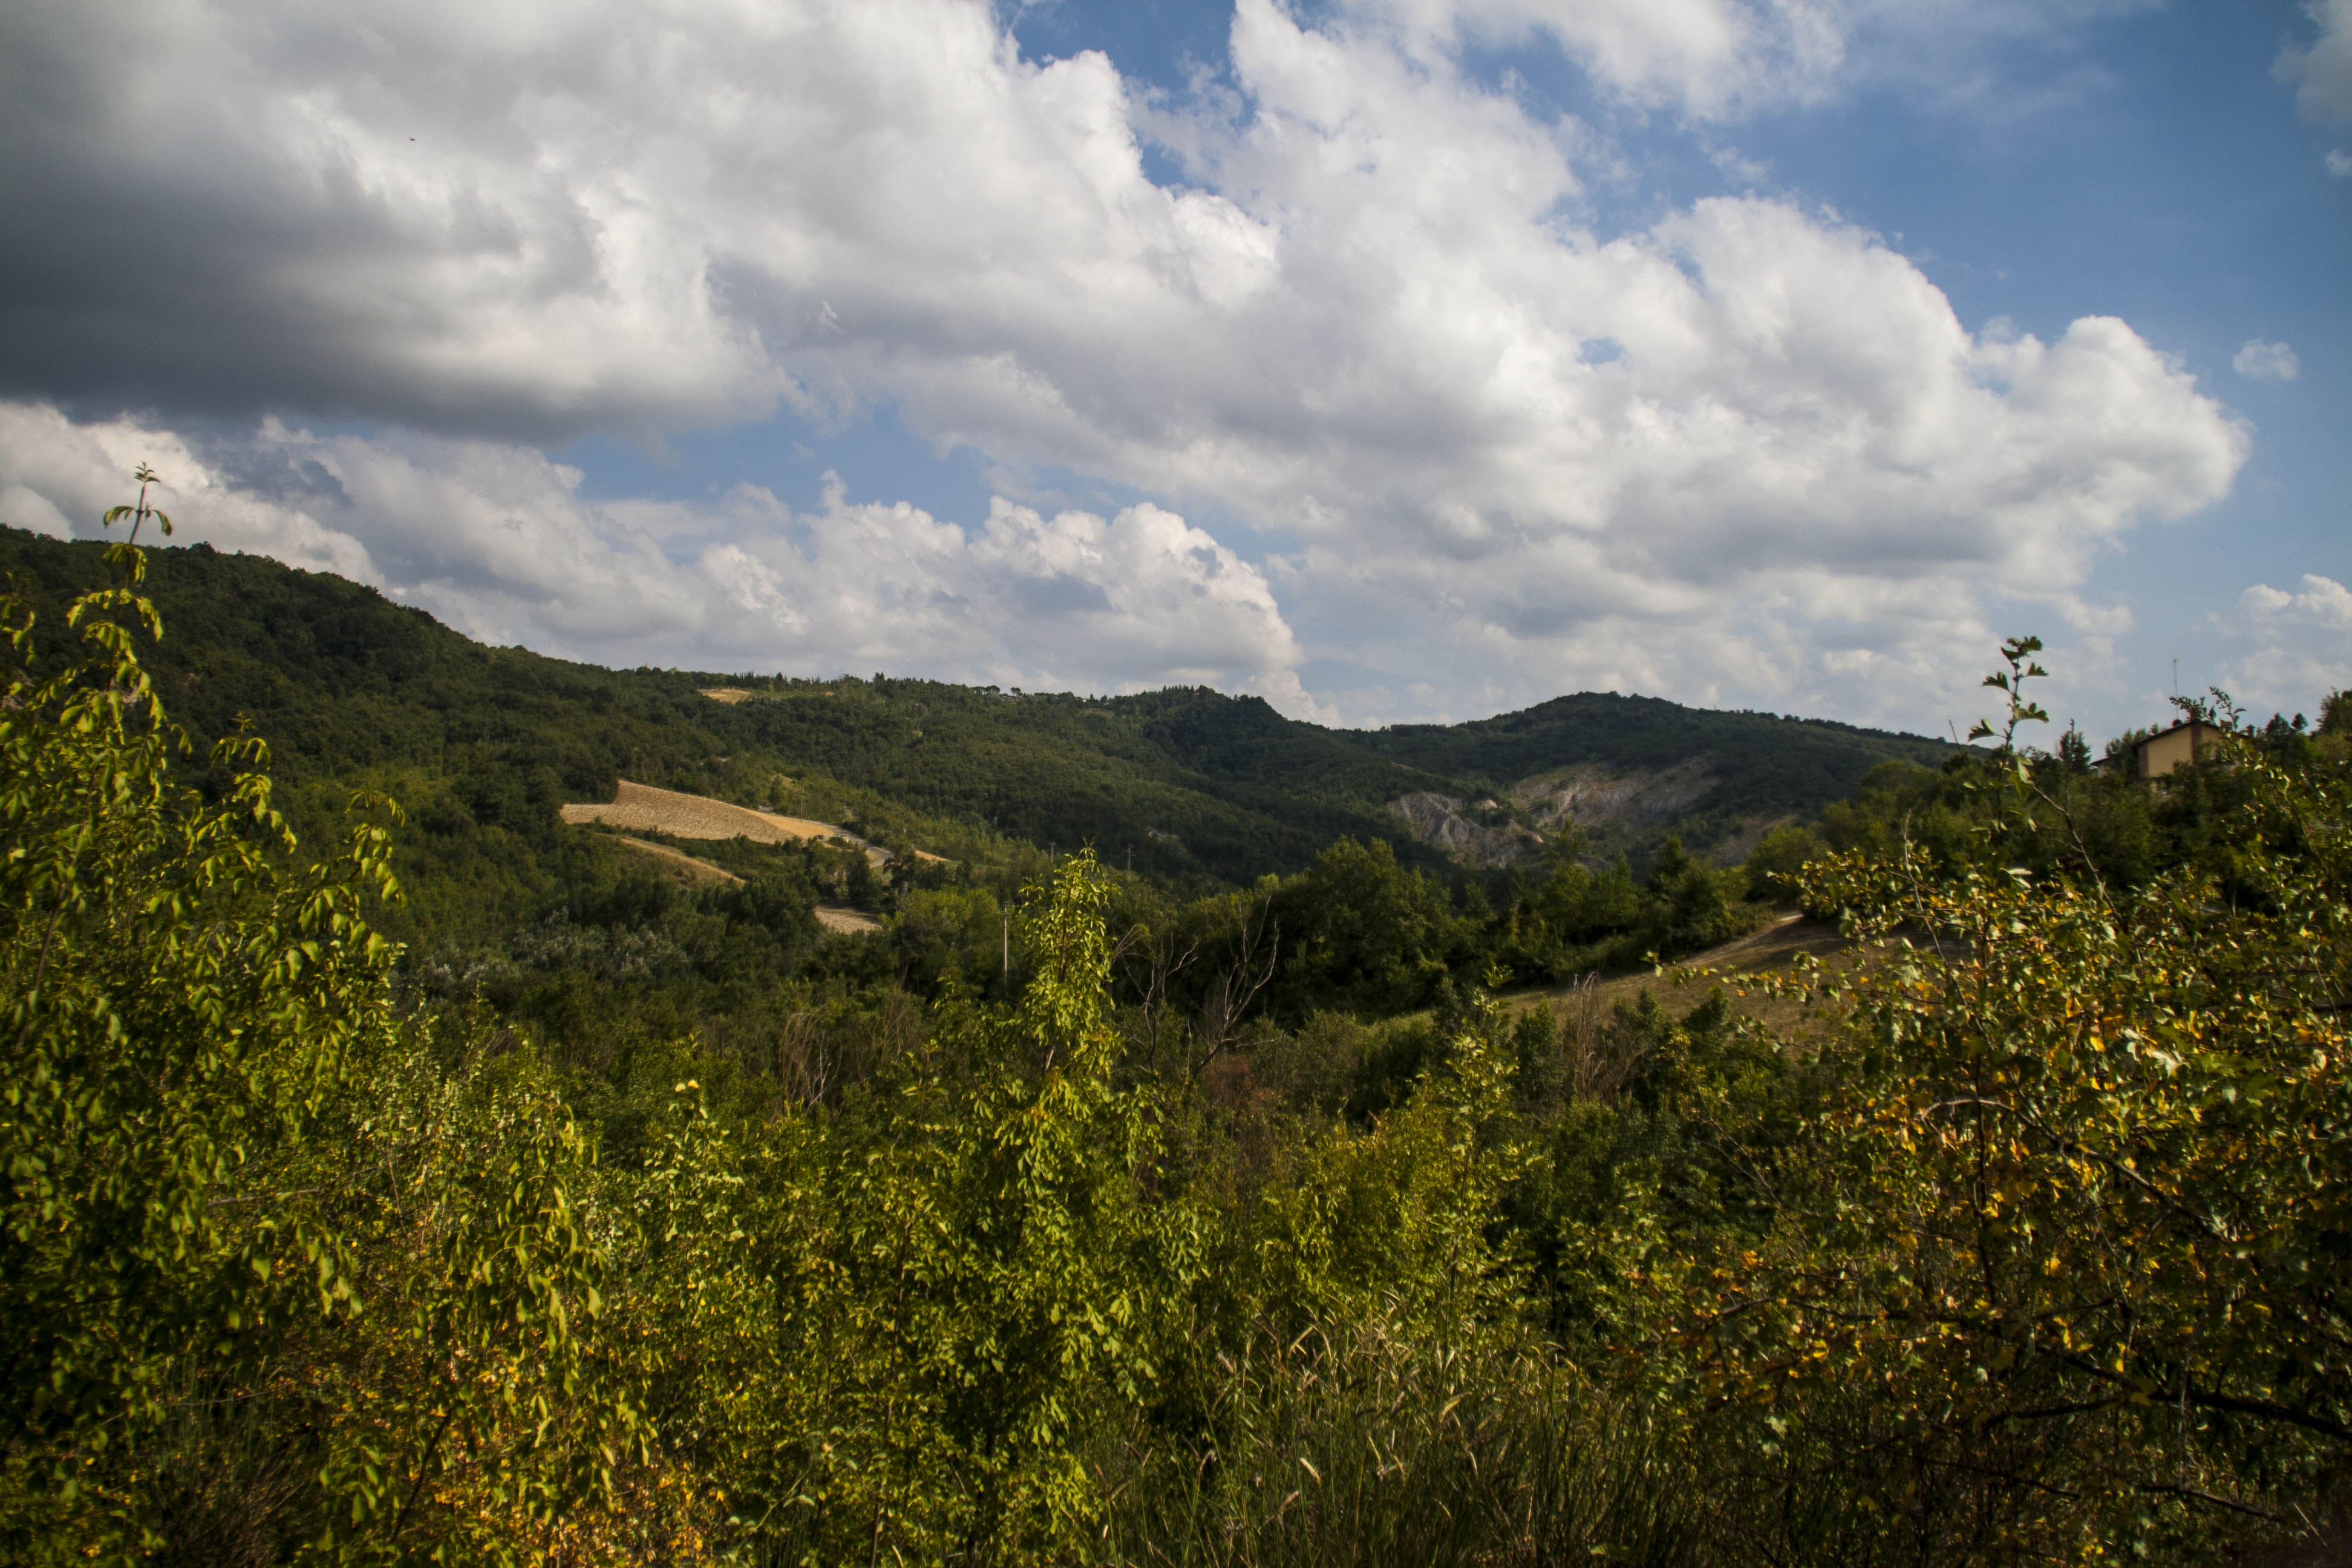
(2159, 754)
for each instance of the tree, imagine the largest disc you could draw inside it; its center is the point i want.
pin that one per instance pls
(2063, 1269)
(968, 1276)
(267, 1266)
(179, 1011)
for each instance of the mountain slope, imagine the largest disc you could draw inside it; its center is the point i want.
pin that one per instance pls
(1635, 767)
(484, 744)
(351, 688)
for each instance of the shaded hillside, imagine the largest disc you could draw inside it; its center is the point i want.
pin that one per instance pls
(1640, 766)
(1184, 781)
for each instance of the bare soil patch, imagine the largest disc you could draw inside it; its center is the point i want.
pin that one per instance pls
(645, 809)
(1589, 796)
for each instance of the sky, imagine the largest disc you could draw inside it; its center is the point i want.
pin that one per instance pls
(1392, 359)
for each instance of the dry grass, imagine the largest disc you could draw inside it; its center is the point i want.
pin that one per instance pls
(724, 693)
(682, 815)
(642, 808)
(1754, 955)
(848, 922)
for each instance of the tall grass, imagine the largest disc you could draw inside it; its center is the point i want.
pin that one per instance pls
(1372, 1449)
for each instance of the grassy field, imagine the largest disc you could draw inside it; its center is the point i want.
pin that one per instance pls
(1736, 967)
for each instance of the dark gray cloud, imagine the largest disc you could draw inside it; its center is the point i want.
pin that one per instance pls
(310, 208)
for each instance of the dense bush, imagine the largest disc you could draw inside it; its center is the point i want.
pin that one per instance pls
(277, 1273)
(1102, 1227)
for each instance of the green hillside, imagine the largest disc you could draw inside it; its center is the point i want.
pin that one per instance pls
(1186, 783)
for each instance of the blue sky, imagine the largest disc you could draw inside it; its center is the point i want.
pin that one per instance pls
(1390, 359)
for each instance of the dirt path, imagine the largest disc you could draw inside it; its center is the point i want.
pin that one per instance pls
(692, 869)
(832, 917)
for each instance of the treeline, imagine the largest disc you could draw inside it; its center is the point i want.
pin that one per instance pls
(1189, 786)
(1088, 1223)
(2094, 820)
(612, 946)
(608, 947)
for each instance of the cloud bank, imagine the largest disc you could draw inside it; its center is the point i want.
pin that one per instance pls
(495, 541)
(1479, 450)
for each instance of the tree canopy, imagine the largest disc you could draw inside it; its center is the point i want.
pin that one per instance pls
(1082, 1220)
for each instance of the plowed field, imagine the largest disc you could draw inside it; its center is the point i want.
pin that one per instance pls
(681, 815)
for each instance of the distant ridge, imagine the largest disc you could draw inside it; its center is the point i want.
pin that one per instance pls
(1718, 778)
(1187, 784)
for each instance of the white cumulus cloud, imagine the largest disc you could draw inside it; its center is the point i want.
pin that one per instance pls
(2322, 73)
(496, 539)
(1707, 57)
(2295, 645)
(1485, 449)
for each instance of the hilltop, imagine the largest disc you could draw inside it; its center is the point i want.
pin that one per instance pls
(1628, 770)
(484, 744)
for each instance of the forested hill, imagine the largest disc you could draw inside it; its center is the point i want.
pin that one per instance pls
(349, 688)
(1748, 769)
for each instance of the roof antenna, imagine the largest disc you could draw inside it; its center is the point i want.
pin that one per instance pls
(2176, 678)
